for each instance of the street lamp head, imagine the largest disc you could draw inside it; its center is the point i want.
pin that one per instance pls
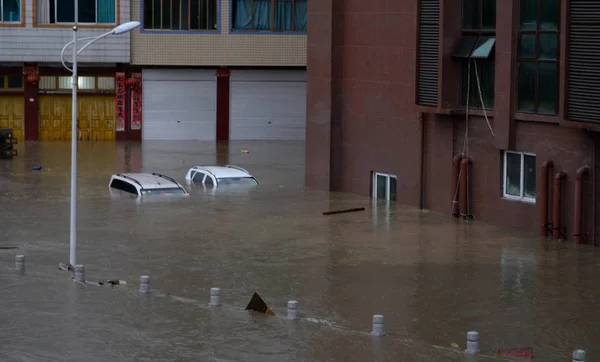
(126, 27)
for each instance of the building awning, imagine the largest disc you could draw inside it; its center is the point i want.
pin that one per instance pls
(465, 47)
(483, 48)
(474, 47)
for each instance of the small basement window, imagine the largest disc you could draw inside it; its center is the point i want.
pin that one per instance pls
(519, 176)
(384, 186)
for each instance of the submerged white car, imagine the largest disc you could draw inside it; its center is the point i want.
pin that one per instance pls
(145, 184)
(215, 176)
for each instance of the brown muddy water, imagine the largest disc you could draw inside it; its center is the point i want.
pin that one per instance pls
(433, 277)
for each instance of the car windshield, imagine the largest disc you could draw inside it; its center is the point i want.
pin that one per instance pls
(249, 181)
(163, 191)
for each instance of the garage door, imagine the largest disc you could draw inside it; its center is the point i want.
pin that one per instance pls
(268, 105)
(12, 109)
(179, 104)
(96, 115)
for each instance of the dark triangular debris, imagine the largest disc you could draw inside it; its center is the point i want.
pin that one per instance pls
(259, 305)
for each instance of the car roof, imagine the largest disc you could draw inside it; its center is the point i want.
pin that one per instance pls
(224, 171)
(150, 180)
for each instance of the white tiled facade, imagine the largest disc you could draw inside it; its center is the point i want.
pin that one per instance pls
(219, 49)
(43, 44)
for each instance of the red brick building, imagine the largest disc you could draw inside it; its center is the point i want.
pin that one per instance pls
(389, 83)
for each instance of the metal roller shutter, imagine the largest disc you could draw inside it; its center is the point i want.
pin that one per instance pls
(179, 104)
(268, 105)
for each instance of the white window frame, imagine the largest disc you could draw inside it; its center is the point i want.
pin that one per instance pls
(387, 184)
(522, 197)
(80, 22)
(11, 22)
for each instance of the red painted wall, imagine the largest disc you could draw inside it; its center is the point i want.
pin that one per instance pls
(30, 92)
(362, 117)
(223, 104)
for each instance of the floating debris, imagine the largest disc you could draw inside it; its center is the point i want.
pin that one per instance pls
(259, 305)
(112, 282)
(344, 211)
(68, 267)
(318, 321)
(525, 353)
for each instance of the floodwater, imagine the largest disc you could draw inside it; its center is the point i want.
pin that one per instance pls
(434, 278)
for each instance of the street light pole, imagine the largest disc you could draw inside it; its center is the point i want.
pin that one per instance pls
(73, 223)
(123, 28)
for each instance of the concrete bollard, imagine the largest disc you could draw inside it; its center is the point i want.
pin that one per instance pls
(145, 284)
(579, 355)
(292, 310)
(215, 296)
(20, 262)
(79, 273)
(472, 342)
(378, 329)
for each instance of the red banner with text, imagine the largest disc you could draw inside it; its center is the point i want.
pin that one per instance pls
(136, 103)
(120, 93)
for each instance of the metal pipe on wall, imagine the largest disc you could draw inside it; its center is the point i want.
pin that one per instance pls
(594, 191)
(545, 191)
(455, 176)
(556, 204)
(422, 170)
(464, 186)
(578, 212)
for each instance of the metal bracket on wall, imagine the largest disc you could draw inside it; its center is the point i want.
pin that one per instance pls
(548, 227)
(467, 216)
(562, 230)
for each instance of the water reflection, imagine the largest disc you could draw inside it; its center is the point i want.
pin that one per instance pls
(433, 277)
(518, 272)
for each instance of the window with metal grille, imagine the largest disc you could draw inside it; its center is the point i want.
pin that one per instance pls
(10, 11)
(519, 176)
(537, 89)
(476, 49)
(84, 83)
(180, 15)
(88, 12)
(269, 15)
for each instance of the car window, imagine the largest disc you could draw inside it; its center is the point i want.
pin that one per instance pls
(123, 186)
(163, 191)
(197, 176)
(248, 181)
(208, 181)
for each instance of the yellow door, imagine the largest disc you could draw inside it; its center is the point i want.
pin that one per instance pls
(96, 118)
(96, 115)
(12, 114)
(54, 118)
